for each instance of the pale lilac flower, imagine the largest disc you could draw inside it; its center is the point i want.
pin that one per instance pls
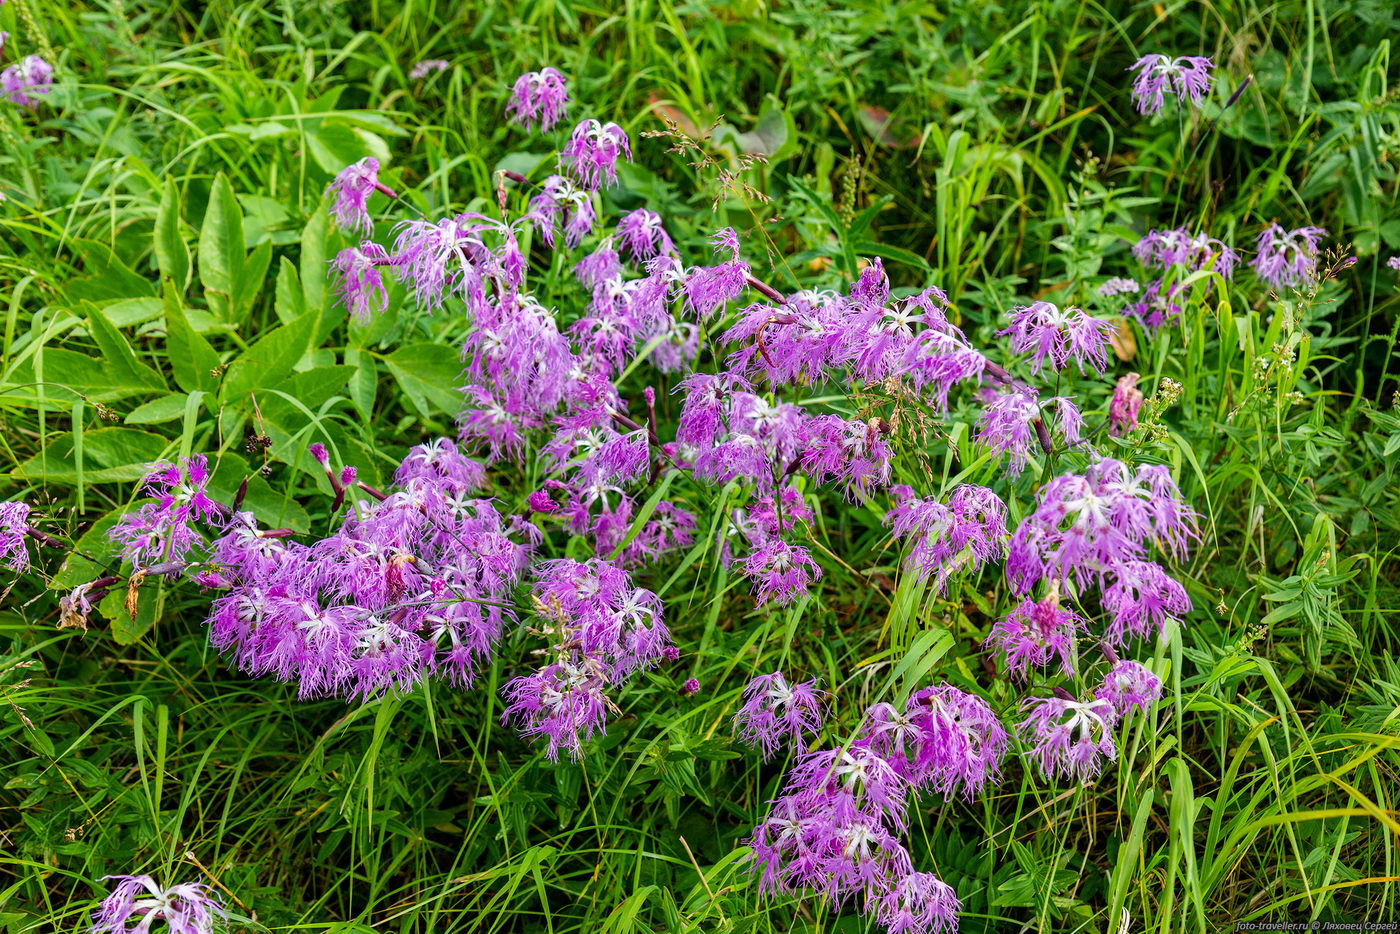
(187, 908)
(918, 903)
(708, 288)
(776, 714)
(539, 95)
(1142, 599)
(564, 703)
(360, 286)
(643, 236)
(1057, 336)
(1128, 685)
(858, 771)
(1287, 258)
(427, 67)
(352, 188)
(1190, 252)
(592, 152)
(14, 527)
(27, 81)
(162, 533)
(1119, 286)
(1035, 634)
(780, 572)
(944, 539)
(561, 205)
(1159, 305)
(1124, 406)
(1394, 263)
(1069, 738)
(1185, 77)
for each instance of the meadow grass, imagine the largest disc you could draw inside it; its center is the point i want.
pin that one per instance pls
(989, 149)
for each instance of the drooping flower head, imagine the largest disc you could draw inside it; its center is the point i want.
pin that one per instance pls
(187, 908)
(777, 714)
(1069, 738)
(27, 81)
(592, 152)
(918, 903)
(14, 527)
(642, 235)
(1187, 76)
(1124, 406)
(944, 738)
(360, 282)
(1011, 423)
(1056, 336)
(539, 95)
(1287, 258)
(945, 538)
(352, 188)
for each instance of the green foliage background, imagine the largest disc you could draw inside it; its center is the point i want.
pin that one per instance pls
(162, 257)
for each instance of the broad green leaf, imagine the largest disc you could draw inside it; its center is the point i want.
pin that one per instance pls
(118, 355)
(270, 360)
(313, 259)
(172, 255)
(158, 411)
(290, 301)
(69, 376)
(250, 280)
(109, 455)
(221, 252)
(429, 375)
(191, 356)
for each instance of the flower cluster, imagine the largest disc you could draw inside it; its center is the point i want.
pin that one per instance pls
(187, 908)
(1287, 258)
(602, 630)
(1057, 336)
(777, 714)
(945, 538)
(835, 828)
(412, 585)
(352, 188)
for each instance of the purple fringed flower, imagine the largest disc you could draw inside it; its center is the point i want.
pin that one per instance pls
(1128, 685)
(1142, 599)
(780, 572)
(1069, 738)
(360, 286)
(1159, 75)
(1007, 424)
(1036, 633)
(27, 81)
(1057, 336)
(352, 188)
(1124, 406)
(918, 903)
(1190, 252)
(187, 908)
(14, 527)
(1118, 286)
(1287, 258)
(163, 532)
(561, 205)
(427, 67)
(967, 532)
(592, 152)
(643, 236)
(776, 714)
(1158, 306)
(853, 454)
(1094, 525)
(539, 95)
(708, 288)
(564, 704)
(944, 739)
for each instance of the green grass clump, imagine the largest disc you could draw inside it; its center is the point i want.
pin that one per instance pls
(163, 251)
